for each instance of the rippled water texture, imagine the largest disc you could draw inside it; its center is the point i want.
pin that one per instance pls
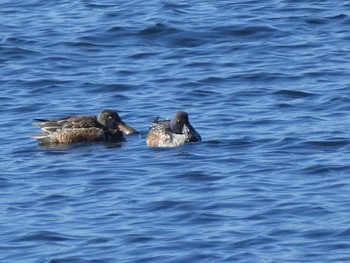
(266, 84)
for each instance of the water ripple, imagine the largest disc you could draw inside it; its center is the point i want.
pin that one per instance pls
(265, 84)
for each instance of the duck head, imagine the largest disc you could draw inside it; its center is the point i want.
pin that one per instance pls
(112, 120)
(180, 124)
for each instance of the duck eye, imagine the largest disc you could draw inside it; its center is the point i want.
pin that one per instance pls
(110, 117)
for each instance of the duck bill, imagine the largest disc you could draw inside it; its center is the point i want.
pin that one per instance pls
(127, 129)
(191, 133)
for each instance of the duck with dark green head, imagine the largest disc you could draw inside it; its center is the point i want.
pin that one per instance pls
(172, 133)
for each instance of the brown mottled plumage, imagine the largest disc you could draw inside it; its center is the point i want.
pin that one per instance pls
(107, 126)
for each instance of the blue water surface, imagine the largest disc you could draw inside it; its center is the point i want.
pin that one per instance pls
(266, 84)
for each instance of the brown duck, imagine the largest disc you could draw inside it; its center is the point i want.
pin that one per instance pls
(107, 126)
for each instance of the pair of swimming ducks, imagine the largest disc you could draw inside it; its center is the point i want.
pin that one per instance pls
(108, 126)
